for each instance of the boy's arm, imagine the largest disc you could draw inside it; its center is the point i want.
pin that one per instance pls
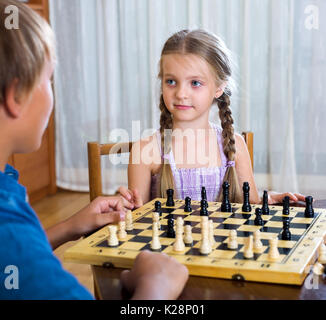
(155, 276)
(101, 211)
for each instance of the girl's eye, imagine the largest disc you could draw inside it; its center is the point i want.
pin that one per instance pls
(196, 83)
(170, 82)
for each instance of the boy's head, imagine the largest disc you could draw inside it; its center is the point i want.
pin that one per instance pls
(27, 56)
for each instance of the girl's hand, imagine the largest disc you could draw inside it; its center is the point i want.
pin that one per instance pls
(276, 197)
(131, 196)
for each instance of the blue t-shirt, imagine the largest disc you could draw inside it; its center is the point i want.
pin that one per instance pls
(28, 267)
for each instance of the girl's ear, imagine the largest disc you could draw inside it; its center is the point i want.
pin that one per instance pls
(220, 90)
(11, 103)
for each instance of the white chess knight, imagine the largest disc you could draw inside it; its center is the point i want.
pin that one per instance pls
(113, 239)
(178, 243)
(232, 240)
(155, 244)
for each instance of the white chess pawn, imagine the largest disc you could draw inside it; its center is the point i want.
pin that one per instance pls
(258, 246)
(248, 249)
(232, 240)
(273, 253)
(178, 243)
(188, 240)
(129, 224)
(155, 244)
(113, 239)
(122, 230)
(211, 233)
(322, 253)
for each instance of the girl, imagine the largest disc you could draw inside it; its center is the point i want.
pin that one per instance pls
(195, 74)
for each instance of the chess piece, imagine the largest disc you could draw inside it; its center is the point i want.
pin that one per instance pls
(246, 207)
(170, 201)
(178, 243)
(286, 234)
(248, 252)
(113, 239)
(203, 193)
(258, 245)
(265, 208)
(156, 218)
(129, 224)
(205, 247)
(203, 208)
(322, 253)
(273, 253)
(232, 240)
(286, 205)
(318, 269)
(188, 205)
(258, 219)
(155, 244)
(170, 230)
(309, 211)
(158, 207)
(211, 233)
(188, 240)
(226, 205)
(122, 234)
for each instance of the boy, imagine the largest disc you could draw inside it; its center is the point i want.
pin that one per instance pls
(27, 57)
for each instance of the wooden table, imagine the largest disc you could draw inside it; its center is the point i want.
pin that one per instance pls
(107, 286)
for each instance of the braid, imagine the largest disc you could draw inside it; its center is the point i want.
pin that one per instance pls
(225, 115)
(166, 122)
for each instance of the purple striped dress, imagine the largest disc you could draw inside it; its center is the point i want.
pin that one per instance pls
(188, 181)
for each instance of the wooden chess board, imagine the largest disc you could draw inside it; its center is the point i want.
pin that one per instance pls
(293, 265)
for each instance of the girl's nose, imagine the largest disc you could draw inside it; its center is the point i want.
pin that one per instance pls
(181, 92)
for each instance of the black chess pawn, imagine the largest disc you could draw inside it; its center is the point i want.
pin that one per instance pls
(203, 208)
(158, 207)
(246, 207)
(286, 234)
(170, 201)
(258, 219)
(188, 205)
(170, 230)
(286, 205)
(309, 211)
(203, 193)
(265, 208)
(226, 205)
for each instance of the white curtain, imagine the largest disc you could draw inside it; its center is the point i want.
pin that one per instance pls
(106, 79)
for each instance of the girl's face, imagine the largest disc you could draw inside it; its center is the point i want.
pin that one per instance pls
(189, 86)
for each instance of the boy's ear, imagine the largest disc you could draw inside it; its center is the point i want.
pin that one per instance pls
(11, 103)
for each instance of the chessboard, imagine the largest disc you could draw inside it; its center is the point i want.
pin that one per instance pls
(295, 259)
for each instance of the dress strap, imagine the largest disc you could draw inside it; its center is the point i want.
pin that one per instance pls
(168, 156)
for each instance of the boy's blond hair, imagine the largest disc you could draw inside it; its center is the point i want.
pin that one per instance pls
(24, 50)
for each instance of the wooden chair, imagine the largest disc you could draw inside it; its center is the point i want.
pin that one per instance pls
(96, 150)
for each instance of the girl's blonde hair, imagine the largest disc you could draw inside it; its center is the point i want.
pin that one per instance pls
(213, 50)
(23, 51)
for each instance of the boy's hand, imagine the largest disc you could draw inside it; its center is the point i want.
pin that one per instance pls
(131, 196)
(155, 276)
(276, 197)
(100, 212)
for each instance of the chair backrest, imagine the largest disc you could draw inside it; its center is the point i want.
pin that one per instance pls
(96, 150)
